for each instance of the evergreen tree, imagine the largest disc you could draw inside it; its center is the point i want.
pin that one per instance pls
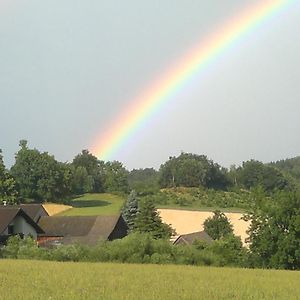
(149, 221)
(130, 210)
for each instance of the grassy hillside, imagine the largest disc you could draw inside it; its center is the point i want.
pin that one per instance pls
(53, 280)
(202, 199)
(95, 204)
(176, 198)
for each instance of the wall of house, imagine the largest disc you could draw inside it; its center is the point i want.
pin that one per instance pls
(119, 231)
(21, 226)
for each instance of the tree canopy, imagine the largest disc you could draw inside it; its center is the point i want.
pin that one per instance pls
(218, 226)
(8, 192)
(274, 234)
(192, 170)
(254, 173)
(38, 175)
(115, 177)
(88, 173)
(144, 181)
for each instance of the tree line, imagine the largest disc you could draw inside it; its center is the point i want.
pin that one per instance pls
(38, 176)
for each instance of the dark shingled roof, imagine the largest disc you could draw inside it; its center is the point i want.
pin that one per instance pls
(8, 213)
(189, 238)
(84, 229)
(34, 211)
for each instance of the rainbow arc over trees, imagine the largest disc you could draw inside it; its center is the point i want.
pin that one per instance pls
(160, 92)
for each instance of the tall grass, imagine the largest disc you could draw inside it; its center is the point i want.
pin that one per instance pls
(21, 279)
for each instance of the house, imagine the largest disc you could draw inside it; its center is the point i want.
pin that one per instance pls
(87, 230)
(15, 221)
(34, 211)
(188, 239)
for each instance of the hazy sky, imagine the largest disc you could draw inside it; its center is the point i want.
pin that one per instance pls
(67, 69)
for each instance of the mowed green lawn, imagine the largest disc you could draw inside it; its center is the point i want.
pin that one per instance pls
(95, 204)
(56, 280)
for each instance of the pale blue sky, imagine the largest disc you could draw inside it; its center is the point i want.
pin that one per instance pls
(67, 68)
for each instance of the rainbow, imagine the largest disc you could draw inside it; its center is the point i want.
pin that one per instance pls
(160, 93)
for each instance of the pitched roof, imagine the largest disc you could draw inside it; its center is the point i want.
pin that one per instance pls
(8, 213)
(84, 229)
(6, 217)
(33, 210)
(191, 237)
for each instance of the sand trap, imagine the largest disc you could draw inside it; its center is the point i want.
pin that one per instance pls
(186, 221)
(53, 209)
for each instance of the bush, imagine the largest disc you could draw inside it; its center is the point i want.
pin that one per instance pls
(74, 252)
(230, 250)
(135, 248)
(26, 248)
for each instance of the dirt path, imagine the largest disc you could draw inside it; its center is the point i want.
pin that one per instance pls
(186, 221)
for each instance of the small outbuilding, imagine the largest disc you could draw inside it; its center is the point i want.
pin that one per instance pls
(87, 230)
(189, 238)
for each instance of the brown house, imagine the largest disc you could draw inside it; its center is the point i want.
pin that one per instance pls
(15, 221)
(87, 230)
(188, 239)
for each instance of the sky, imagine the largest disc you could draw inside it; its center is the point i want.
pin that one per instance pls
(68, 68)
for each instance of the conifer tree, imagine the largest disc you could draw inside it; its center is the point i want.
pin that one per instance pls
(130, 210)
(149, 221)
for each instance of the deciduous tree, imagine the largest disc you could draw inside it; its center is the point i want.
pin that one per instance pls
(274, 234)
(38, 175)
(8, 192)
(218, 225)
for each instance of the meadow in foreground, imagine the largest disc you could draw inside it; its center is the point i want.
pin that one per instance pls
(57, 280)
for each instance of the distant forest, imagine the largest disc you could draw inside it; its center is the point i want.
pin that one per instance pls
(38, 177)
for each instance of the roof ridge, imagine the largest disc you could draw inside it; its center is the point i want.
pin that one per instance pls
(99, 221)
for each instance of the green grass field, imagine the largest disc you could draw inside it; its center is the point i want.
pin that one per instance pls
(109, 204)
(95, 204)
(53, 280)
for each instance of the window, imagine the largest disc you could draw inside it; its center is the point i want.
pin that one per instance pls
(10, 229)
